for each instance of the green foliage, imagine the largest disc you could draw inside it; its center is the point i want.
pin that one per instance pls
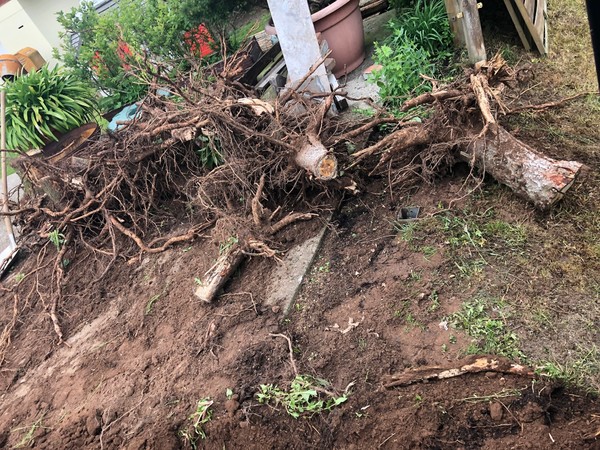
(400, 76)
(420, 39)
(307, 396)
(44, 103)
(485, 321)
(426, 25)
(201, 416)
(57, 239)
(209, 151)
(111, 43)
(227, 244)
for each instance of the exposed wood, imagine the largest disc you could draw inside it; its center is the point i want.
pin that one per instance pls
(395, 142)
(517, 23)
(430, 97)
(315, 158)
(535, 177)
(529, 7)
(374, 7)
(538, 18)
(219, 273)
(250, 77)
(472, 31)
(472, 364)
(479, 85)
(537, 39)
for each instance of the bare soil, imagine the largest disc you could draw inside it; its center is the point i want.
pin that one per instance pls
(141, 351)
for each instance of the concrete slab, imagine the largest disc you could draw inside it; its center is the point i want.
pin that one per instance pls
(289, 275)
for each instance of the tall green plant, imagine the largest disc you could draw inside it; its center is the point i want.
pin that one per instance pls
(420, 40)
(425, 24)
(44, 103)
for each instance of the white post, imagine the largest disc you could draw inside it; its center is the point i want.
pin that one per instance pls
(296, 34)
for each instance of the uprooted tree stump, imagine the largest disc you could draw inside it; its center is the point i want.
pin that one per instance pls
(465, 119)
(217, 152)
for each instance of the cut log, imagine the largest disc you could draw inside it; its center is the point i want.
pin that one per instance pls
(217, 275)
(316, 159)
(533, 176)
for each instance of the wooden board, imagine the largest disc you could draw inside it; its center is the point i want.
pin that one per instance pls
(530, 20)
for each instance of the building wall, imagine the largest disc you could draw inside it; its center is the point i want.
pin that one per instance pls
(43, 14)
(32, 23)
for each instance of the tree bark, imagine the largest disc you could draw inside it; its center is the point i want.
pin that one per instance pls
(540, 179)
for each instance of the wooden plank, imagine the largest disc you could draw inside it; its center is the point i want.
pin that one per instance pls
(539, 21)
(530, 7)
(472, 31)
(537, 39)
(250, 76)
(452, 8)
(546, 27)
(517, 23)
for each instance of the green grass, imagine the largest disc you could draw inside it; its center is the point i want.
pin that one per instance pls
(239, 35)
(484, 319)
(579, 371)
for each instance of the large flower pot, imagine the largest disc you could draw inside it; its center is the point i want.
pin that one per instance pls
(341, 25)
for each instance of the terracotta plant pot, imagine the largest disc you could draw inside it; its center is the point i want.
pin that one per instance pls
(10, 67)
(341, 25)
(30, 59)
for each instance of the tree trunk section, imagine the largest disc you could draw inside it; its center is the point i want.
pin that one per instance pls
(314, 157)
(535, 177)
(217, 275)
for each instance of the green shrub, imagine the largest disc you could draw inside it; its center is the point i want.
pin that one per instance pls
(111, 43)
(44, 103)
(420, 41)
(400, 76)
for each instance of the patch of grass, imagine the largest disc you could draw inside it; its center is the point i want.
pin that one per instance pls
(580, 371)
(201, 416)
(323, 267)
(484, 320)
(306, 396)
(511, 235)
(239, 35)
(434, 301)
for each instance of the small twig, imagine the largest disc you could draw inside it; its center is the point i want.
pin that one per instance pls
(191, 234)
(290, 219)
(289, 341)
(386, 439)
(288, 95)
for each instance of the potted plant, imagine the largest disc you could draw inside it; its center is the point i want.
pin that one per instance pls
(45, 104)
(340, 24)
